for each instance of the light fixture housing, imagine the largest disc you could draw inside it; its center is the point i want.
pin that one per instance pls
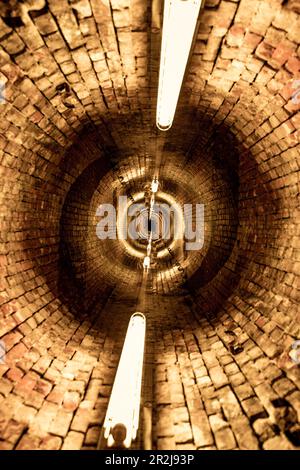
(122, 416)
(179, 25)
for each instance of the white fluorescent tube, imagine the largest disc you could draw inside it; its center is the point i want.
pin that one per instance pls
(179, 24)
(154, 185)
(122, 416)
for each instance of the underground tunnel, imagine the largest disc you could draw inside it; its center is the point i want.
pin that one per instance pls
(78, 98)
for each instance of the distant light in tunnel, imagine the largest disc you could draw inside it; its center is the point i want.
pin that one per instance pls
(179, 24)
(122, 417)
(146, 262)
(154, 185)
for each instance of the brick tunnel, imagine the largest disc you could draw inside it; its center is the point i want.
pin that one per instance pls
(78, 99)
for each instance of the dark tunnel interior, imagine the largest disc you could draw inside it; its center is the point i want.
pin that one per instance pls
(78, 91)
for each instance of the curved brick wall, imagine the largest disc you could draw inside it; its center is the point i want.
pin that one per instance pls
(217, 346)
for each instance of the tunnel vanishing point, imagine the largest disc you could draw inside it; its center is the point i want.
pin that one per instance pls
(78, 95)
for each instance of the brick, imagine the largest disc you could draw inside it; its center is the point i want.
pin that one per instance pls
(278, 443)
(13, 431)
(182, 433)
(235, 36)
(229, 403)
(218, 377)
(81, 420)
(44, 387)
(217, 422)
(252, 407)
(264, 51)
(201, 430)
(263, 18)
(51, 443)
(243, 434)
(225, 439)
(165, 443)
(283, 387)
(284, 18)
(165, 424)
(163, 394)
(28, 442)
(46, 24)
(92, 436)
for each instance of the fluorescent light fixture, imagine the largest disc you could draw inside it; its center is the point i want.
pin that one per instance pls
(154, 186)
(179, 24)
(122, 417)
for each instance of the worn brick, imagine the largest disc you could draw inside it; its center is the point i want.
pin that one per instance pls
(77, 129)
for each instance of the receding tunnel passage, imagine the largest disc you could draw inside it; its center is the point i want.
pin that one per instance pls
(81, 157)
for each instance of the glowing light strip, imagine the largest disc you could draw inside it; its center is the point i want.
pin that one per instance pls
(179, 24)
(122, 417)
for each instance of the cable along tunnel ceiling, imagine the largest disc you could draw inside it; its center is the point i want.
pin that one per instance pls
(78, 130)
